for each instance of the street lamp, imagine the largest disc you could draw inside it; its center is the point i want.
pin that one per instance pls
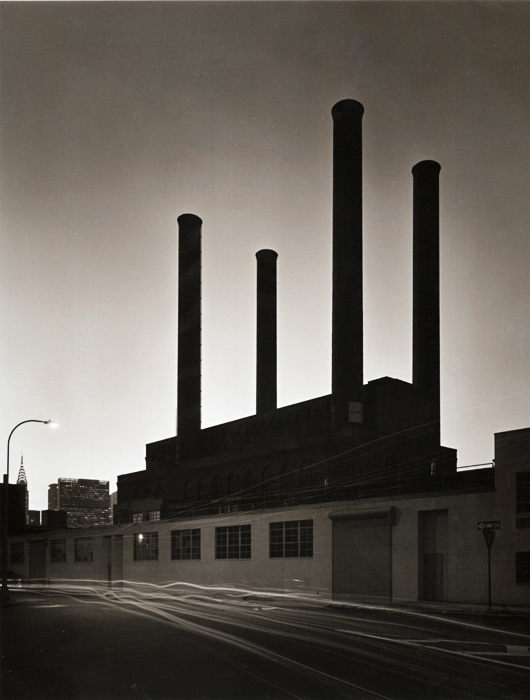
(5, 591)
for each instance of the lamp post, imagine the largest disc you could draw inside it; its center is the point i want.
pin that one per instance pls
(5, 590)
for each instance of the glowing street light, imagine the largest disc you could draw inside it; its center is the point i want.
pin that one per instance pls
(4, 595)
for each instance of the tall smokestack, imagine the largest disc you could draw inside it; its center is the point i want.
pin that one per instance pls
(347, 324)
(266, 356)
(189, 328)
(426, 284)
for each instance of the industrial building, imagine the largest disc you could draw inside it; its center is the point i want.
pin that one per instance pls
(361, 441)
(346, 496)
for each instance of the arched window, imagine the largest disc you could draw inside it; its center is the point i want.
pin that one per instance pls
(159, 493)
(250, 480)
(147, 492)
(266, 480)
(188, 490)
(233, 483)
(286, 482)
(136, 494)
(202, 488)
(306, 475)
(218, 486)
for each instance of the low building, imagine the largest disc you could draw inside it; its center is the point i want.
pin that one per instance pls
(421, 546)
(34, 518)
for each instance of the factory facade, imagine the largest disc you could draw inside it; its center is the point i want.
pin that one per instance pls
(346, 496)
(381, 549)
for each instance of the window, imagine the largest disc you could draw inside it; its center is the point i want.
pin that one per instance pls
(153, 515)
(147, 492)
(285, 478)
(233, 483)
(159, 493)
(306, 475)
(83, 549)
(58, 550)
(136, 494)
(202, 488)
(137, 517)
(266, 480)
(293, 538)
(232, 542)
(522, 489)
(522, 567)
(146, 546)
(17, 552)
(186, 544)
(187, 490)
(218, 486)
(250, 480)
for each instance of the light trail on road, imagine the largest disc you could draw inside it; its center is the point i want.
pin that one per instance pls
(351, 651)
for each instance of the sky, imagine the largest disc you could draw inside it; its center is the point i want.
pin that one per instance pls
(118, 117)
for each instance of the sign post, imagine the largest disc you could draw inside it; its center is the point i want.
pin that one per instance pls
(488, 528)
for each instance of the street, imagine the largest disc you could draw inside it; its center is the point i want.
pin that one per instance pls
(158, 643)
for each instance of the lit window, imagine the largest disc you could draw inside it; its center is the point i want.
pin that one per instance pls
(186, 544)
(293, 538)
(232, 542)
(153, 515)
(146, 546)
(83, 549)
(58, 550)
(138, 517)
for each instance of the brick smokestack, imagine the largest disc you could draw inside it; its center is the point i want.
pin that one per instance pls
(426, 286)
(266, 336)
(189, 329)
(347, 322)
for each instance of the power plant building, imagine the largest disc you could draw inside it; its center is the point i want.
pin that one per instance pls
(362, 440)
(348, 496)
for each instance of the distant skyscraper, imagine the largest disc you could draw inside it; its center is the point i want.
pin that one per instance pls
(85, 500)
(22, 480)
(53, 496)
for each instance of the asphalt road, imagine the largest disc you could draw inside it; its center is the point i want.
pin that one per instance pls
(158, 645)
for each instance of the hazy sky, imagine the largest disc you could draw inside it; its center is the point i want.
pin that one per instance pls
(118, 117)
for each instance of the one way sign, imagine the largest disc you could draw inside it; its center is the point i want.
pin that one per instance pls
(489, 525)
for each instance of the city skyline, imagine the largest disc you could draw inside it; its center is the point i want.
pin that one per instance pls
(119, 117)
